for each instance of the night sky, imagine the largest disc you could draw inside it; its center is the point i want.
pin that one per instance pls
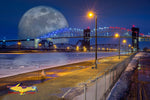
(120, 13)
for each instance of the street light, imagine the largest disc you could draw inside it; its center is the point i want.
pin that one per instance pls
(132, 48)
(91, 15)
(129, 47)
(77, 48)
(19, 45)
(118, 36)
(91, 48)
(40, 44)
(55, 46)
(125, 41)
(68, 48)
(84, 49)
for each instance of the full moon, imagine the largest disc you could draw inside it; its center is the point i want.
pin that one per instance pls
(40, 20)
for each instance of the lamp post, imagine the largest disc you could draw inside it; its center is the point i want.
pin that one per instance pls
(77, 48)
(125, 41)
(40, 44)
(118, 36)
(129, 47)
(91, 15)
(132, 48)
(19, 45)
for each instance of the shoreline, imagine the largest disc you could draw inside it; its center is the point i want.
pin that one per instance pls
(31, 68)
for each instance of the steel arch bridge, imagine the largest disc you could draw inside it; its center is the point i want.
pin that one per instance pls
(71, 36)
(75, 35)
(76, 32)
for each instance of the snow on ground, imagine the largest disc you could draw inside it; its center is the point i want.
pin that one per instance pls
(121, 87)
(13, 64)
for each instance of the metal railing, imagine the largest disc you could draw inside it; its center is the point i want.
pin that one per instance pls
(99, 88)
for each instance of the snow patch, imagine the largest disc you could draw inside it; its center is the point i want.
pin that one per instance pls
(122, 85)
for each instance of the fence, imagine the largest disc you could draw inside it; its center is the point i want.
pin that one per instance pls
(99, 88)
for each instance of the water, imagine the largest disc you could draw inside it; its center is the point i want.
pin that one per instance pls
(12, 64)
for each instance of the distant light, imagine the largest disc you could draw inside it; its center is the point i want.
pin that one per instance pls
(3, 40)
(122, 28)
(77, 48)
(129, 45)
(28, 39)
(124, 41)
(117, 35)
(141, 34)
(19, 43)
(110, 27)
(84, 49)
(139, 68)
(40, 44)
(68, 48)
(133, 25)
(55, 46)
(91, 47)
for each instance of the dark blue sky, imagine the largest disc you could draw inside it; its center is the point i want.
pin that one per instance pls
(121, 13)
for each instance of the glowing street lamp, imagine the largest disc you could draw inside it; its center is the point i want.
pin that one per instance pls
(132, 48)
(84, 49)
(19, 45)
(77, 48)
(68, 48)
(124, 42)
(55, 46)
(91, 48)
(118, 36)
(129, 47)
(40, 44)
(91, 15)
